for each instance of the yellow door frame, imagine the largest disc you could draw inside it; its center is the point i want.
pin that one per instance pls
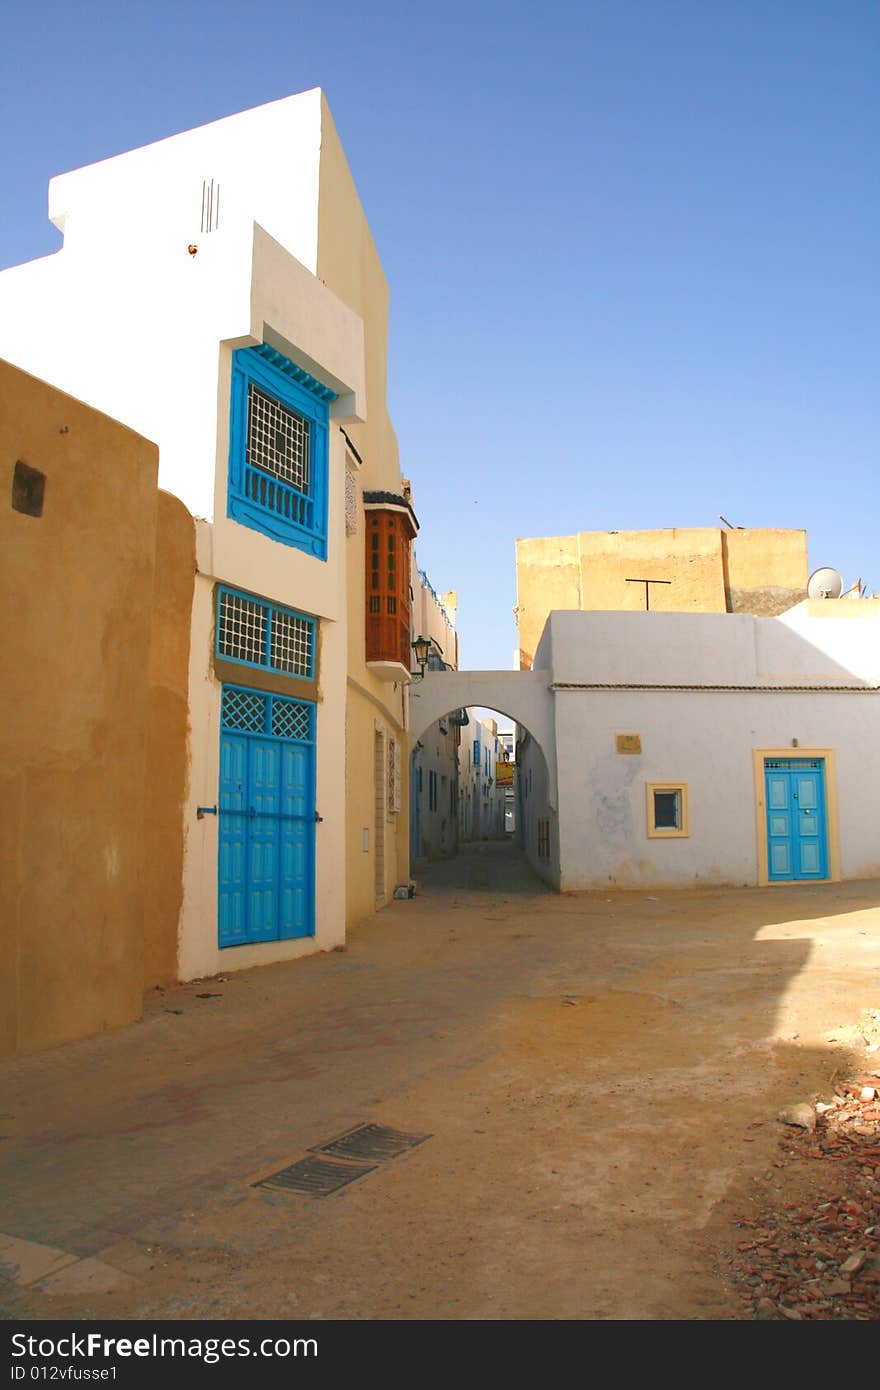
(832, 821)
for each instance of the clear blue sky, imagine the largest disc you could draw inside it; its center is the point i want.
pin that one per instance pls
(632, 244)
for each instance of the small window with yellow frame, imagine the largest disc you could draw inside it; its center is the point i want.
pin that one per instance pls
(668, 811)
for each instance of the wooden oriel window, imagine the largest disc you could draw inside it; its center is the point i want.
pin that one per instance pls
(388, 540)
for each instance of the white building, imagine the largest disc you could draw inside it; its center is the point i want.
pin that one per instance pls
(717, 749)
(434, 787)
(481, 800)
(190, 301)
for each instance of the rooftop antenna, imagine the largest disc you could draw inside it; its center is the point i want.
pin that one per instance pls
(825, 583)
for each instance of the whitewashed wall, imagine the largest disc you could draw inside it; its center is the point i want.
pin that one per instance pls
(705, 737)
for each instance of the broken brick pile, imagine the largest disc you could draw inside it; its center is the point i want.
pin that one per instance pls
(820, 1260)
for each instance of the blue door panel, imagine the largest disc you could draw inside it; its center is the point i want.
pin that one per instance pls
(780, 861)
(796, 820)
(267, 819)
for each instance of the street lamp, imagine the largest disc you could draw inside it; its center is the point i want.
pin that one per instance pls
(421, 646)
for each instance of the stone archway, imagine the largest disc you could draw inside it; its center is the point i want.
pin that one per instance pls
(523, 696)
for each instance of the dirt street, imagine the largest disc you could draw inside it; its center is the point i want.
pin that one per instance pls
(599, 1075)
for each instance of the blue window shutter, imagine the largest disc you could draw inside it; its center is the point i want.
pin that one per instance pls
(265, 500)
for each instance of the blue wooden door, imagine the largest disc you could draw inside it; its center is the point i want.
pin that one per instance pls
(796, 820)
(267, 818)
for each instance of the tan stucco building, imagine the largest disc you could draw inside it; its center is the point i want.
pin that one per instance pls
(96, 572)
(255, 329)
(680, 570)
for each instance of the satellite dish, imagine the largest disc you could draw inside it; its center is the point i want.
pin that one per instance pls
(825, 583)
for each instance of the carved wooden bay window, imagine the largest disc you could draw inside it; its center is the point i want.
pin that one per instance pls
(390, 530)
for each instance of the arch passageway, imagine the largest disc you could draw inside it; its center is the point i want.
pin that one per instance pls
(523, 696)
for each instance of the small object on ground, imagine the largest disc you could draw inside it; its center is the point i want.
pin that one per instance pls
(873, 1047)
(839, 1286)
(854, 1263)
(209, 995)
(172, 1011)
(867, 1093)
(405, 890)
(802, 1116)
(822, 1107)
(766, 1309)
(572, 1002)
(792, 1313)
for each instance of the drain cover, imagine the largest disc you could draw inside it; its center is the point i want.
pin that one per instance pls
(317, 1177)
(371, 1141)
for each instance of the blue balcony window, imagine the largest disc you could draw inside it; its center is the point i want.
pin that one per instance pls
(278, 449)
(476, 752)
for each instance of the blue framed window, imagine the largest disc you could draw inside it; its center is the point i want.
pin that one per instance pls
(278, 449)
(256, 633)
(476, 752)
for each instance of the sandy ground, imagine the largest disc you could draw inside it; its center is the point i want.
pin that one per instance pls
(600, 1076)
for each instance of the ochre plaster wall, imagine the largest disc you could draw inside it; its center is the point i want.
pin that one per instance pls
(765, 570)
(703, 569)
(547, 578)
(77, 586)
(167, 762)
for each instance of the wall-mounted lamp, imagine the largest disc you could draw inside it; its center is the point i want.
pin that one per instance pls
(421, 646)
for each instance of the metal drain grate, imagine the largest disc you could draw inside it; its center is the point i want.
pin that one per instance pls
(371, 1141)
(317, 1177)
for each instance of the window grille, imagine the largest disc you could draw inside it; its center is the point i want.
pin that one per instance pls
(253, 712)
(476, 752)
(293, 640)
(351, 503)
(243, 710)
(543, 839)
(794, 764)
(291, 719)
(393, 775)
(258, 633)
(278, 440)
(279, 449)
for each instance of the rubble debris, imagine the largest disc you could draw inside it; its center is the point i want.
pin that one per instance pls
(819, 1259)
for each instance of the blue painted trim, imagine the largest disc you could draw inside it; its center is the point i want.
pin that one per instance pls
(257, 499)
(476, 752)
(271, 608)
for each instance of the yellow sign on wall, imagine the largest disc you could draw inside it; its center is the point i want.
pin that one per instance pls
(504, 774)
(629, 743)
